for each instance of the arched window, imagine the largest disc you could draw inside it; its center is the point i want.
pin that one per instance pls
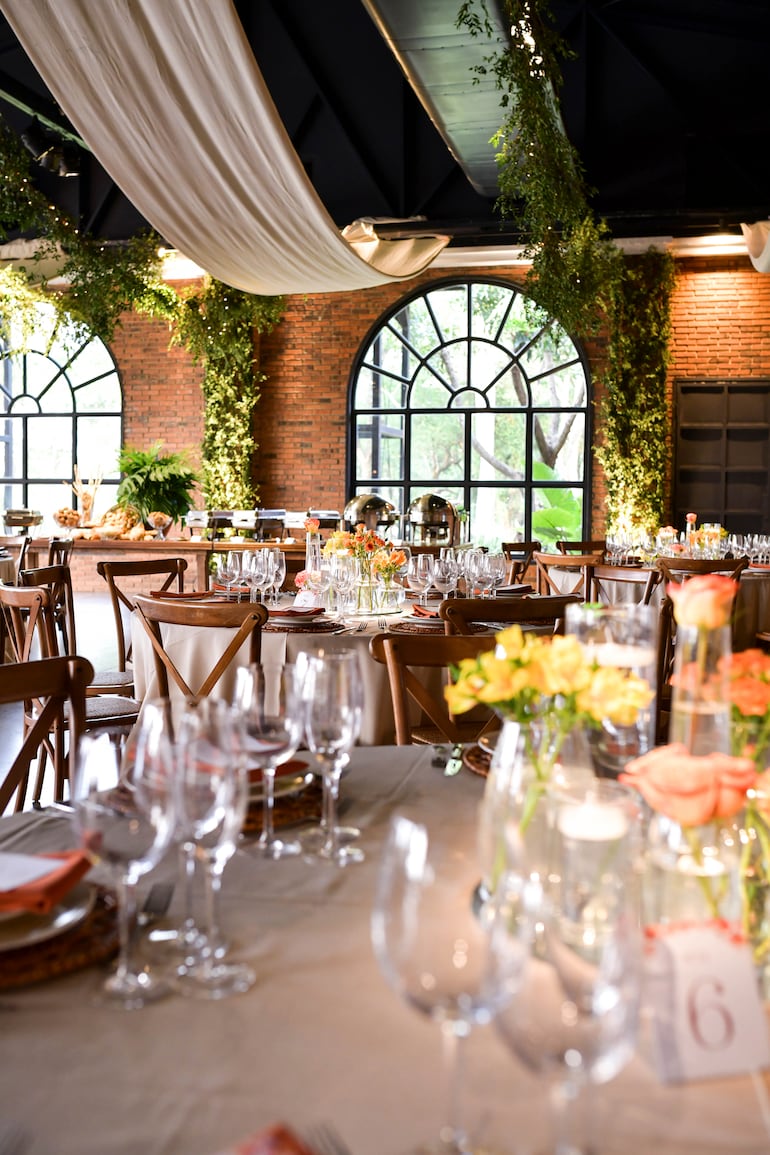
(456, 392)
(61, 405)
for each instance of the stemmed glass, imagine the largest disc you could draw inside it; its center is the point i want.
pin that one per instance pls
(498, 567)
(212, 796)
(419, 575)
(127, 827)
(279, 573)
(269, 700)
(228, 569)
(343, 579)
(446, 963)
(333, 707)
(445, 576)
(574, 1015)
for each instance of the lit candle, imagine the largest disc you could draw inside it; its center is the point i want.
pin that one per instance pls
(592, 822)
(623, 656)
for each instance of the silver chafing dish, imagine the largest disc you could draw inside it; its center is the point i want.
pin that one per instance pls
(21, 519)
(432, 519)
(371, 510)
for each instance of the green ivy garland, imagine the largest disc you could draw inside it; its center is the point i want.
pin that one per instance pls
(215, 323)
(634, 417)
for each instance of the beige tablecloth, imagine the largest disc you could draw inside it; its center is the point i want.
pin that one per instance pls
(320, 1036)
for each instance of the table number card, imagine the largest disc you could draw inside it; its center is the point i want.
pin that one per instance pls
(701, 987)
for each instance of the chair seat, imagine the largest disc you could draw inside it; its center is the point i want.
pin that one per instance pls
(107, 706)
(116, 680)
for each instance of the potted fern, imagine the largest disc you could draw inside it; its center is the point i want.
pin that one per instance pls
(158, 486)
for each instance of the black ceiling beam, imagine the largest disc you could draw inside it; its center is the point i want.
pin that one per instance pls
(21, 97)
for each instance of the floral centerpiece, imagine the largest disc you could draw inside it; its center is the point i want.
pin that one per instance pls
(550, 687)
(362, 544)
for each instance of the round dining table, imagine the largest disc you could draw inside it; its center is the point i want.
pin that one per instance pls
(320, 1037)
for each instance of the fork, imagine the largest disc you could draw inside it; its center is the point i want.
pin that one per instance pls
(382, 624)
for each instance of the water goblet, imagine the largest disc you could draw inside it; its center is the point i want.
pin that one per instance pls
(333, 706)
(269, 700)
(212, 796)
(419, 575)
(228, 569)
(574, 1014)
(436, 954)
(498, 567)
(126, 827)
(343, 580)
(279, 573)
(445, 576)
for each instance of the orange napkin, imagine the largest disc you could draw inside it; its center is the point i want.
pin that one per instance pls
(176, 594)
(275, 1140)
(42, 895)
(424, 612)
(297, 612)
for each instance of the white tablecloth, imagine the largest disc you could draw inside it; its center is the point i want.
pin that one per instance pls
(320, 1036)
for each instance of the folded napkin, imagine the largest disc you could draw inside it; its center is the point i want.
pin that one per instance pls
(297, 612)
(171, 594)
(275, 1140)
(517, 589)
(424, 612)
(42, 894)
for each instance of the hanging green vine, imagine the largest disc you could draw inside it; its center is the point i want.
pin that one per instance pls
(216, 324)
(541, 179)
(635, 418)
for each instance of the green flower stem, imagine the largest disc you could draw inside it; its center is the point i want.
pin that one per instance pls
(704, 881)
(751, 883)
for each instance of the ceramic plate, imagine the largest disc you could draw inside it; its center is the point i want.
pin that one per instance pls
(296, 619)
(291, 778)
(28, 929)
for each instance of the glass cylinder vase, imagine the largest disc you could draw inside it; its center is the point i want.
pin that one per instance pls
(693, 873)
(700, 701)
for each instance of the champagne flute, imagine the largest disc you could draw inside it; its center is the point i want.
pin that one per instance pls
(574, 1015)
(127, 828)
(437, 955)
(333, 707)
(212, 796)
(269, 700)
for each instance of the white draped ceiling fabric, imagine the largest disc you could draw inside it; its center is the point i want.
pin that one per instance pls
(757, 237)
(169, 97)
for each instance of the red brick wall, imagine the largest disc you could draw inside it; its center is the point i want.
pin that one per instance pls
(721, 322)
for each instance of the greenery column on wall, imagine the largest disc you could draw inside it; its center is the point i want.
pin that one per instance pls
(218, 325)
(635, 417)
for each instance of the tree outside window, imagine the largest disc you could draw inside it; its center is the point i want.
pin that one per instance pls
(459, 391)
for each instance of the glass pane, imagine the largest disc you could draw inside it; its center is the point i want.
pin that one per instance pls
(437, 447)
(100, 396)
(488, 308)
(453, 493)
(450, 308)
(92, 361)
(52, 389)
(518, 330)
(564, 389)
(557, 514)
(98, 446)
(430, 392)
(498, 446)
(49, 452)
(379, 446)
(558, 454)
(387, 360)
(415, 325)
(497, 515)
(13, 498)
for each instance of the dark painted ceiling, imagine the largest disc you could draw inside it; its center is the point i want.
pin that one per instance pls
(666, 102)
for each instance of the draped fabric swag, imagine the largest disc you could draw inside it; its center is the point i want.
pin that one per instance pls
(169, 97)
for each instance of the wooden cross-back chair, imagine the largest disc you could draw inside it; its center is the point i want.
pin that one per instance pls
(168, 573)
(245, 619)
(53, 691)
(402, 655)
(605, 580)
(679, 569)
(57, 579)
(559, 573)
(460, 614)
(59, 550)
(519, 554)
(591, 545)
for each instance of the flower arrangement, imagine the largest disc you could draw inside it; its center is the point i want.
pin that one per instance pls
(386, 563)
(361, 542)
(312, 525)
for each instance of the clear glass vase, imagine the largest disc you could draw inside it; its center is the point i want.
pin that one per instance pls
(390, 597)
(693, 873)
(700, 702)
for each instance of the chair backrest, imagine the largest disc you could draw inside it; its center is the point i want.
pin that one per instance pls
(169, 571)
(459, 613)
(605, 577)
(58, 686)
(665, 668)
(558, 573)
(679, 569)
(401, 654)
(29, 620)
(519, 555)
(21, 560)
(244, 618)
(592, 545)
(59, 550)
(58, 581)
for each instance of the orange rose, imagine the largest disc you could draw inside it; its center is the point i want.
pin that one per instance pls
(312, 524)
(690, 789)
(705, 600)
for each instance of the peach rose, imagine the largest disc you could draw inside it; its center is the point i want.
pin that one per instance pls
(690, 789)
(705, 600)
(312, 524)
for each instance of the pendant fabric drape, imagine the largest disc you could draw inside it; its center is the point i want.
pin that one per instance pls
(171, 101)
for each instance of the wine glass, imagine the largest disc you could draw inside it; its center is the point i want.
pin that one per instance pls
(574, 1015)
(444, 961)
(212, 796)
(126, 827)
(269, 700)
(445, 576)
(343, 580)
(498, 567)
(228, 569)
(419, 575)
(333, 707)
(279, 573)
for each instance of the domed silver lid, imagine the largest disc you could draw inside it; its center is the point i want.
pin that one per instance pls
(430, 509)
(366, 505)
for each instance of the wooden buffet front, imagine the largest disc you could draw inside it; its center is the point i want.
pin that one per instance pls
(199, 555)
